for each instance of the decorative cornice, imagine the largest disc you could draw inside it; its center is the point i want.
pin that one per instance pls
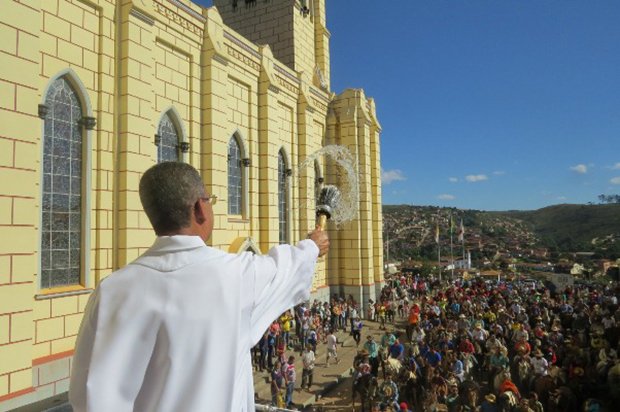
(274, 89)
(142, 16)
(243, 58)
(319, 104)
(183, 22)
(229, 36)
(285, 84)
(188, 10)
(220, 59)
(286, 73)
(319, 94)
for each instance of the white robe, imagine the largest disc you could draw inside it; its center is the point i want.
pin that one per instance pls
(172, 331)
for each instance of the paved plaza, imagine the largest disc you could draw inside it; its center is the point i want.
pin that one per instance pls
(325, 377)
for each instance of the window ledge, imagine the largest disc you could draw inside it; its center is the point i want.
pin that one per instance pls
(62, 292)
(237, 219)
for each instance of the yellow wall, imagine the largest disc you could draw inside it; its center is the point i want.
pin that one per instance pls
(131, 61)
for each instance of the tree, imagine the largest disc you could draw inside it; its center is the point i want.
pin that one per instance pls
(606, 199)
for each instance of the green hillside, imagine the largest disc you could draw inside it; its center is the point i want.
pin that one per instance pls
(573, 227)
(410, 230)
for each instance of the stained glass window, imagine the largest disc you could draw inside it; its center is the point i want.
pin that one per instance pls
(234, 177)
(282, 199)
(168, 144)
(61, 206)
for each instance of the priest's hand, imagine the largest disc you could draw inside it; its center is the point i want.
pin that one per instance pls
(321, 239)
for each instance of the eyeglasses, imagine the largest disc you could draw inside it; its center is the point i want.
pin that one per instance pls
(210, 199)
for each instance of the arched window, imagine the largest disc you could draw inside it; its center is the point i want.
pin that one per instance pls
(168, 140)
(282, 198)
(61, 206)
(235, 178)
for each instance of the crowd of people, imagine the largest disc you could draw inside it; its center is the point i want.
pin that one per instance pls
(300, 331)
(461, 346)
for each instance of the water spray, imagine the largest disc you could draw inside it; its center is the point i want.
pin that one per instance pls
(339, 204)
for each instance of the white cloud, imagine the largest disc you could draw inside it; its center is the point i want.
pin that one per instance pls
(580, 168)
(453, 179)
(446, 196)
(616, 166)
(476, 178)
(499, 173)
(615, 180)
(389, 176)
(561, 197)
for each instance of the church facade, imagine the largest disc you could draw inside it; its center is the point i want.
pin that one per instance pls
(94, 92)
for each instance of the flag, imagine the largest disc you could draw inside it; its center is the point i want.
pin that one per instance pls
(461, 231)
(451, 225)
(437, 233)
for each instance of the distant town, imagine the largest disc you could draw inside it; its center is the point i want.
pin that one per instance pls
(582, 241)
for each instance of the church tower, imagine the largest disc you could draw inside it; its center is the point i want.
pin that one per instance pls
(294, 30)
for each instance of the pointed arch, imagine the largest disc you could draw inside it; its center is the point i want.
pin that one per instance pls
(237, 184)
(74, 80)
(244, 244)
(283, 197)
(171, 138)
(64, 219)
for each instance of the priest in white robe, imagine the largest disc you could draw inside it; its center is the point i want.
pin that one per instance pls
(172, 331)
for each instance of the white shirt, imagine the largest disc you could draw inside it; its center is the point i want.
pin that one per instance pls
(539, 365)
(331, 341)
(151, 336)
(308, 359)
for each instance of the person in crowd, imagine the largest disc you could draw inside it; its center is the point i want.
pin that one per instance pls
(290, 376)
(357, 330)
(277, 385)
(373, 354)
(389, 392)
(307, 372)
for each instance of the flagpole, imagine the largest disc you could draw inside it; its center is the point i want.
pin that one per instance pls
(439, 259)
(438, 246)
(462, 236)
(451, 250)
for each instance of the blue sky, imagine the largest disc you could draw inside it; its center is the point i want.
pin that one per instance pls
(487, 104)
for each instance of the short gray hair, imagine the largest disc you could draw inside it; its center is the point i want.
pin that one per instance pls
(168, 191)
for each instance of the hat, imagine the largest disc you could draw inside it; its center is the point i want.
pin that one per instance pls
(538, 352)
(404, 406)
(490, 398)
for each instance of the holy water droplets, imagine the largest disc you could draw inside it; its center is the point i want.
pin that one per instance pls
(341, 171)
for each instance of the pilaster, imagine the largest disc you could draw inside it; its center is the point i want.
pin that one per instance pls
(135, 130)
(214, 149)
(268, 129)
